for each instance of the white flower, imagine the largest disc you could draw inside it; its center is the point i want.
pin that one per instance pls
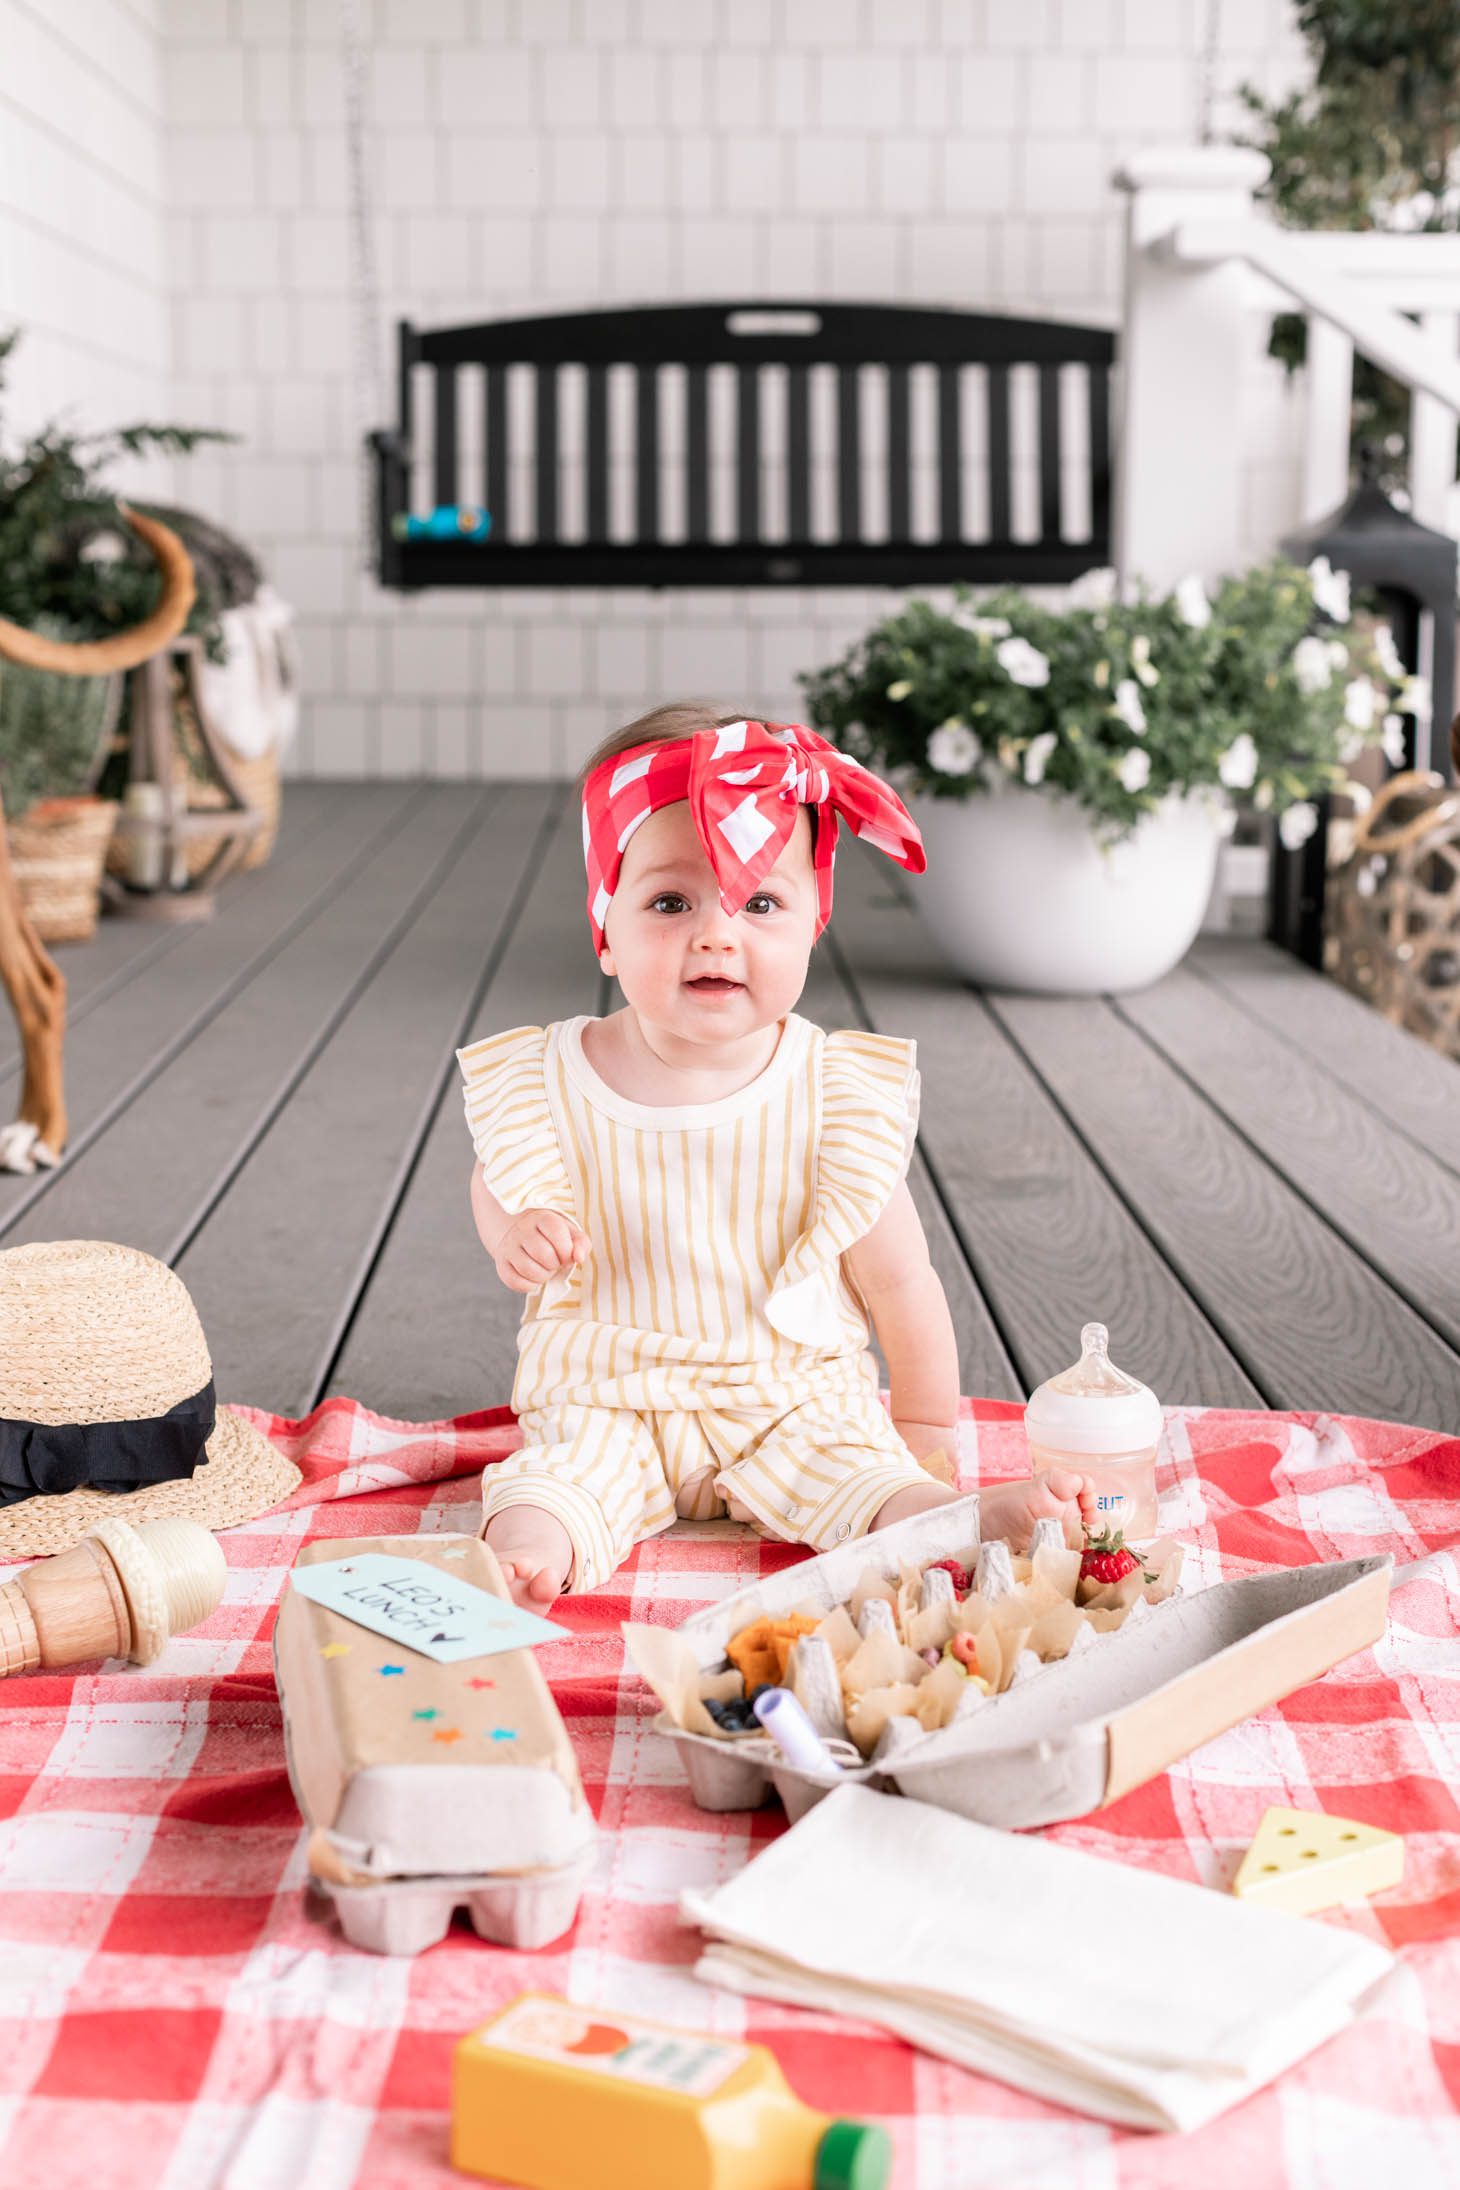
(1036, 760)
(1134, 770)
(103, 547)
(1192, 605)
(1337, 653)
(1311, 665)
(1393, 740)
(1297, 824)
(1388, 654)
(1359, 796)
(1097, 589)
(1360, 704)
(1140, 654)
(953, 749)
(1416, 698)
(901, 689)
(1127, 704)
(1330, 589)
(1238, 765)
(1022, 662)
(1262, 796)
(982, 627)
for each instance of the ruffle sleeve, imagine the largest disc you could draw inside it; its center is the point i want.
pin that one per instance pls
(511, 1121)
(869, 1118)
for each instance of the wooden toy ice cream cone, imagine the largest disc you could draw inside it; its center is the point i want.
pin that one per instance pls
(120, 1593)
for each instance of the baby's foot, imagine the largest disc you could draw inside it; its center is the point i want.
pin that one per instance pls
(1010, 1510)
(535, 1553)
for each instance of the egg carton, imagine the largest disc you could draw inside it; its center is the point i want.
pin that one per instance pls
(407, 1915)
(1067, 1737)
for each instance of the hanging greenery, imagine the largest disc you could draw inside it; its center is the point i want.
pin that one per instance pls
(1373, 143)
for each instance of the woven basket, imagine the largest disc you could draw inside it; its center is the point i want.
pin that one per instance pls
(58, 850)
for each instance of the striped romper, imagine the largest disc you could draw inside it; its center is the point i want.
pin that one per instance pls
(712, 1352)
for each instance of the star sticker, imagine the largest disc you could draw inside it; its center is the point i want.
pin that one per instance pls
(335, 1650)
(504, 1733)
(386, 1670)
(430, 1712)
(475, 1683)
(447, 1733)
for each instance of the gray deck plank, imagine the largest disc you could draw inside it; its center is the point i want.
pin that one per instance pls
(1050, 1241)
(435, 1330)
(120, 948)
(1389, 1199)
(118, 1050)
(1315, 1325)
(281, 1259)
(984, 1367)
(1405, 1080)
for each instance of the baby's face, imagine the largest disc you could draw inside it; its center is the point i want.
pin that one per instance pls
(682, 961)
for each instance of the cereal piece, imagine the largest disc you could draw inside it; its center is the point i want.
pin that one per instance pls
(751, 1654)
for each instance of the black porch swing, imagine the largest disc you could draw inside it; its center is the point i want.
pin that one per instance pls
(562, 530)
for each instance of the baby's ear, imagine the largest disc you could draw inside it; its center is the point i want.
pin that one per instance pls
(605, 959)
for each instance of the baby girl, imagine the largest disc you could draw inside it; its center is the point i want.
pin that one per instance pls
(703, 1196)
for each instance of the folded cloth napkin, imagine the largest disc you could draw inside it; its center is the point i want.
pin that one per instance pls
(1123, 1994)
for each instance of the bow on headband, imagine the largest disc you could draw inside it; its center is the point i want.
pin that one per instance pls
(743, 783)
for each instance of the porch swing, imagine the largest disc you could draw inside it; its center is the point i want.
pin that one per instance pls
(617, 460)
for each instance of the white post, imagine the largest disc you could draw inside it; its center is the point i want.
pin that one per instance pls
(1188, 333)
(1326, 422)
(1432, 438)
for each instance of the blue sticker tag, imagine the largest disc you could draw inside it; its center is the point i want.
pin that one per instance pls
(409, 1602)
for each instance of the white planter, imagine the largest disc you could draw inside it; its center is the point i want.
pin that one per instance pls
(1021, 896)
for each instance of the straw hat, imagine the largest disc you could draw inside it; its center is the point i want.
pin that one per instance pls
(92, 1333)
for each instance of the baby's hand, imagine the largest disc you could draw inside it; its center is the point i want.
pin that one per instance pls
(1011, 1509)
(536, 1246)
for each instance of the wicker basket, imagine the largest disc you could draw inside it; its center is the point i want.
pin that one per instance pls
(58, 850)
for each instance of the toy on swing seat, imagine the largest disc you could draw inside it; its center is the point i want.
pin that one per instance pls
(447, 521)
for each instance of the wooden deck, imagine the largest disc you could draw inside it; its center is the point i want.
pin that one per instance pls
(1246, 1174)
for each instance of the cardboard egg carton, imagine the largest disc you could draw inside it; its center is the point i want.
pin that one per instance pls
(1078, 1732)
(416, 1809)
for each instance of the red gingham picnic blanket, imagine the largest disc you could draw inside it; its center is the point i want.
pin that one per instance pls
(177, 2015)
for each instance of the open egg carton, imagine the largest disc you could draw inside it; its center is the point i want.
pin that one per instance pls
(1081, 1691)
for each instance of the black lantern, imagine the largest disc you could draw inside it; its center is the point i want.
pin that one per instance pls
(1412, 569)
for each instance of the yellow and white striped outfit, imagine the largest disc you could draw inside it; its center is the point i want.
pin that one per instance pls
(714, 1333)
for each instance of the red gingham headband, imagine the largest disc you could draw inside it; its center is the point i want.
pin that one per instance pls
(743, 783)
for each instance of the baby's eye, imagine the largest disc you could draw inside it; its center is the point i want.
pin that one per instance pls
(668, 901)
(762, 903)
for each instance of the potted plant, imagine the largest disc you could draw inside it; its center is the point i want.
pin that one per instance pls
(1073, 768)
(70, 569)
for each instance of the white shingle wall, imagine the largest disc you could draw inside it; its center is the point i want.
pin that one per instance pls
(529, 155)
(83, 265)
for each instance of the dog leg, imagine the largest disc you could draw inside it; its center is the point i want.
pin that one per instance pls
(37, 992)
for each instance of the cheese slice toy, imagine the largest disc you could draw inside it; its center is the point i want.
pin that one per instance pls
(1302, 1861)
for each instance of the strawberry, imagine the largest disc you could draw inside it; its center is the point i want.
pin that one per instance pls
(1107, 1559)
(962, 1579)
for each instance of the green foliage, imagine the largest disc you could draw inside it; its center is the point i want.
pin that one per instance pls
(1161, 688)
(49, 729)
(1373, 143)
(64, 551)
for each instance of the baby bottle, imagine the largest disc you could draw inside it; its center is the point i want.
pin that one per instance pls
(1095, 1419)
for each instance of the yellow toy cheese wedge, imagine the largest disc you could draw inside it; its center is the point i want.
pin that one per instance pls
(1301, 1861)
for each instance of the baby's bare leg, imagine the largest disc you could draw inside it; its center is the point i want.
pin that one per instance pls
(535, 1553)
(917, 1498)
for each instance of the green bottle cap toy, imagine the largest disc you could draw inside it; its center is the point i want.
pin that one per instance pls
(853, 2156)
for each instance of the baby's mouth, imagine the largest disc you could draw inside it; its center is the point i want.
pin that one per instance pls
(715, 984)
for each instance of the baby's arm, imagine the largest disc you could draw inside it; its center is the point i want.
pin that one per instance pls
(527, 1249)
(909, 1312)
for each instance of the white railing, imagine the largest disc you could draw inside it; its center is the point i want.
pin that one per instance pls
(1205, 269)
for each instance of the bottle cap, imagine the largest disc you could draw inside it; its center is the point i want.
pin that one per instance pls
(853, 2156)
(1094, 1407)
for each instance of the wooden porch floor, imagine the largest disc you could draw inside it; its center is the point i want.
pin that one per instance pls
(1252, 1179)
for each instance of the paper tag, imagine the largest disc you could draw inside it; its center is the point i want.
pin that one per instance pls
(409, 1602)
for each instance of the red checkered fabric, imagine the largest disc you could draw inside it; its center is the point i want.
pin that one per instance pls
(743, 783)
(177, 2016)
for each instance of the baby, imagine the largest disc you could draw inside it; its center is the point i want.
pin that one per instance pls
(703, 1195)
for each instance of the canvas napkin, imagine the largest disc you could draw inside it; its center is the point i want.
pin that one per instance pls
(1115, 1991)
